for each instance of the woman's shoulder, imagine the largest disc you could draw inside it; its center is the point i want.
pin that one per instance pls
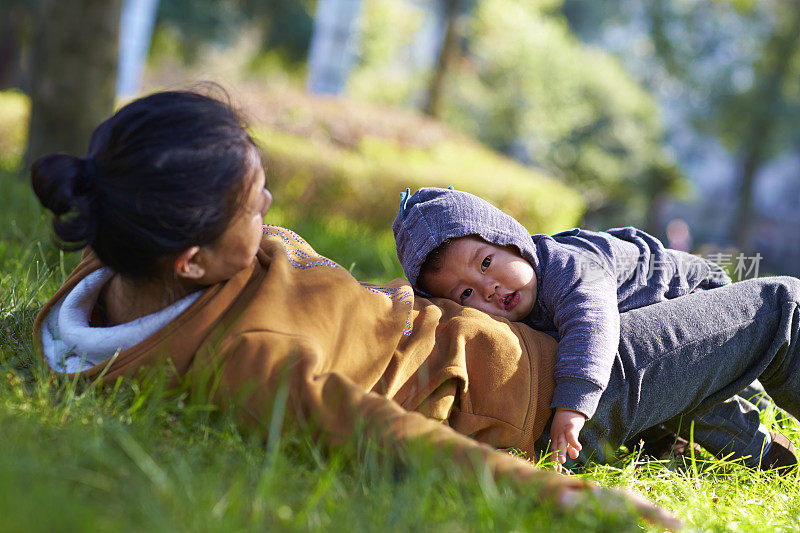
(299, 253)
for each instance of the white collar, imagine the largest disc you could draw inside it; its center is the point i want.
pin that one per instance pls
(71, 344)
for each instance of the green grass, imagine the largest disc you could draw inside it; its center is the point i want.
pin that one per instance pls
(132, 457)
(135, 457)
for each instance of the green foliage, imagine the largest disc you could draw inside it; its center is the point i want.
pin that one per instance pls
(583, 15)
(288, 25)
(526, 87)
(728, 68)
(192, 23)
(351, 161)
(737, 62)
(285, 26)
(382, 74)
(364, 185)
(529, 86)
(342, 165)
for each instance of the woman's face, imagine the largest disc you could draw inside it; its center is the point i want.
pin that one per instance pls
(236, 248)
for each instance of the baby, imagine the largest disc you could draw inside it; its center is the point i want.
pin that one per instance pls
(573, 284)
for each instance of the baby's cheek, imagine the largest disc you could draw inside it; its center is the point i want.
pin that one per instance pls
(485, 308)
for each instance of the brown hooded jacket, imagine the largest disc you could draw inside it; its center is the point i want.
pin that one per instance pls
(349, 354)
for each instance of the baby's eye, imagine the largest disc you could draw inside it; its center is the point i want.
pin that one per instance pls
(466, 294)
(486, 262)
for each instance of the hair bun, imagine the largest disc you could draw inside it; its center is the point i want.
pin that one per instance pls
(63, 183)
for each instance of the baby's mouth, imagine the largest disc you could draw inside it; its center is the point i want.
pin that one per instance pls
(511, 301)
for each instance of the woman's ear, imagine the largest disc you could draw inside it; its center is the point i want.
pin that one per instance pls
(186, 265)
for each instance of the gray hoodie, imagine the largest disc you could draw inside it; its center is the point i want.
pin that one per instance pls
(584, 279)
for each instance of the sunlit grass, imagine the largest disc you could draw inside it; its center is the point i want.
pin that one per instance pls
(133, 457)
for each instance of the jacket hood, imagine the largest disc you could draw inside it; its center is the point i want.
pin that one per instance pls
(431, 215)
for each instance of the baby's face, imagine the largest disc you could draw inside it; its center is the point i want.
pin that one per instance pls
(494, 279)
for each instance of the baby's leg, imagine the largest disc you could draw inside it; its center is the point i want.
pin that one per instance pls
(755, 394)
(693, 352)
(731, 428)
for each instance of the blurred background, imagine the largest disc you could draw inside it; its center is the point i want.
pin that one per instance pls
(681, 117)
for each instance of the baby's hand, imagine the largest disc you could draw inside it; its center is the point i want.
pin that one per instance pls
(564, 431)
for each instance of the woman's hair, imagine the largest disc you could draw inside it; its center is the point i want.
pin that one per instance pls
(162, 174)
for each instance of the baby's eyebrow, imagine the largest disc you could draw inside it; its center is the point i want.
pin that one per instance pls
(476, 254)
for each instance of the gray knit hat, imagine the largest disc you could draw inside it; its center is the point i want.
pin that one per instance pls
(431, 215)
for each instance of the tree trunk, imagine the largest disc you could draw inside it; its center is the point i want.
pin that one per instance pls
(751, 161)
(73, 72)
(12, 32)
(447, 50)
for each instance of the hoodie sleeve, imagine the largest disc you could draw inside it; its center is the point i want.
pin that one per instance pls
(268, 374)
(579, 289)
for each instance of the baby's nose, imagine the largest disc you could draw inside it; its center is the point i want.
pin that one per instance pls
(489, 289)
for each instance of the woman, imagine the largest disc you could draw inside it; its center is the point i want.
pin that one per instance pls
(169, 203)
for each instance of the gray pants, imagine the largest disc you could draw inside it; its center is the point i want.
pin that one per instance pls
(731, 428)
(688, 355)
